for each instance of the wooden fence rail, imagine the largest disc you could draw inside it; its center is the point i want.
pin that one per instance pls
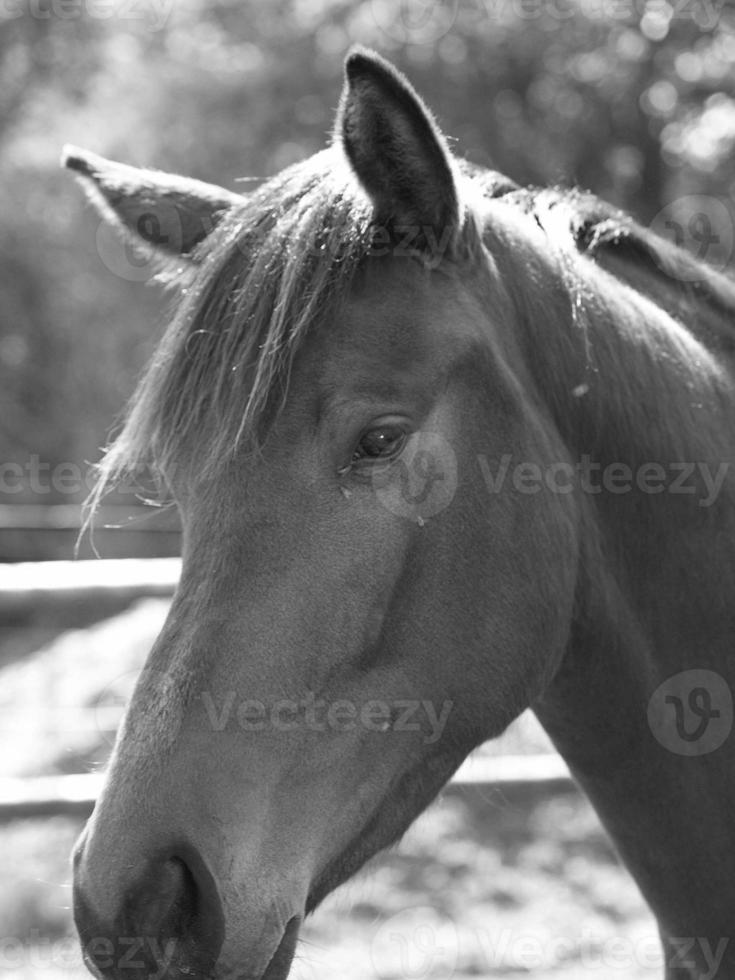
(47, 587)
(38, 532)
(51, 796)
(69, 517)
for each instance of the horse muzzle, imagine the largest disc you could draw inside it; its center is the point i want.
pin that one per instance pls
(170, 925)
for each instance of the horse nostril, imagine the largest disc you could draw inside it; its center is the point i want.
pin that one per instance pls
(166, 903)
(169, 925)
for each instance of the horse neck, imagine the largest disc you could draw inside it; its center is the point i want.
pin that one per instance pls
(625, 384)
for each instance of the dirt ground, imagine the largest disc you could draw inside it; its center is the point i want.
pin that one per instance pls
(485, 884)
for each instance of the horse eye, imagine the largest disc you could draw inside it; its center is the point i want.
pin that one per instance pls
(383, 442)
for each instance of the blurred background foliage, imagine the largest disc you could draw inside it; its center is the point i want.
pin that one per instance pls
(633, 99)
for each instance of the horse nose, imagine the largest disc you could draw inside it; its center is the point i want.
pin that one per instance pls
(169, 925)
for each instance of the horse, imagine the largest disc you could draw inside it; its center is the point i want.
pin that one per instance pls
(444, 448)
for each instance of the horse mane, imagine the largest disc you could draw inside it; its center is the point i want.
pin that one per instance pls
(685, 286)
(607, 234)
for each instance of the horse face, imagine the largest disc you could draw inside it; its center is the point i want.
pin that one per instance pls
(358, 607)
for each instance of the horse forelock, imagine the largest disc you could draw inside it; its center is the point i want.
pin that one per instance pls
(277, 262)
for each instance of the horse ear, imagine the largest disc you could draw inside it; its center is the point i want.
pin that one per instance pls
(396, 149)
(172, 214)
